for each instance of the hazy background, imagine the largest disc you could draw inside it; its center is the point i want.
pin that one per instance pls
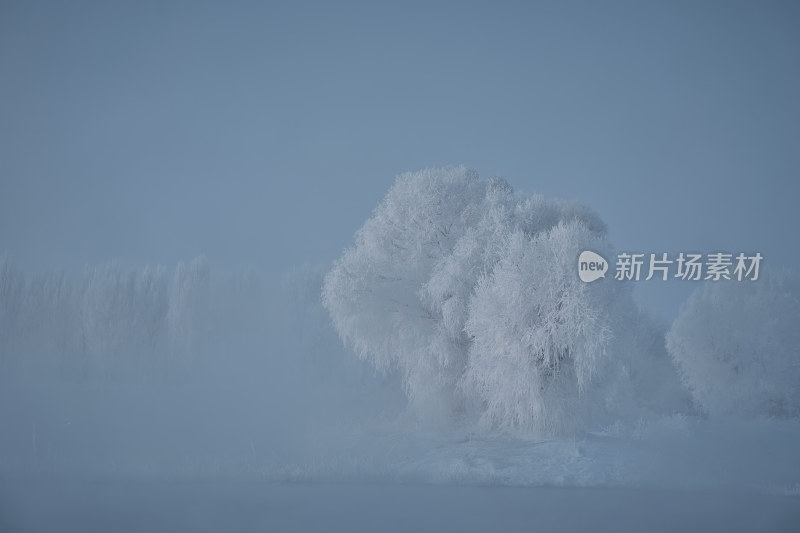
(265, 134)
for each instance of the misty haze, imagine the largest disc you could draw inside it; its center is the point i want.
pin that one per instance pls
(268, 267)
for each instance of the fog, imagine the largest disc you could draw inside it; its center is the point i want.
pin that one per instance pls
(266, 134)
(177, 180)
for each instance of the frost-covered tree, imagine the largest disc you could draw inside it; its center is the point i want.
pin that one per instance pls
(12, 285)
(470, 290)
(50, 322)
(539, 335)
(374, 292)
(737, 346)
(189, 301)
(150, 342)
(107, 306)
(124, 318)
(151, 306)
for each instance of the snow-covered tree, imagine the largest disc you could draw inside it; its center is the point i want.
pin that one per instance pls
(124, 318)
(107, 315)
(737, 346)
(50, 322)
(189, 306)
(12, 286)
(471, 291)
(374, 292)
(539, 335)
(151, 303)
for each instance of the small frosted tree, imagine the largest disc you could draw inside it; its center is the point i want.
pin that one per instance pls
(188, 308)
(107, 306)
(150, 306)
(12, 286)
(737, 346)
(50, 322)
(124, 319)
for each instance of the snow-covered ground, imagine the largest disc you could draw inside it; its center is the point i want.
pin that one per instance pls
(198, 432)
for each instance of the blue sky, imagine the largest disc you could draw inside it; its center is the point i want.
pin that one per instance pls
(265, 133)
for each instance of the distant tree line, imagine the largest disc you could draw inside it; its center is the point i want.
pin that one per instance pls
(114, 321)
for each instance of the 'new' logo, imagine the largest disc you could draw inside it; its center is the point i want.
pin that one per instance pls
(591, 266)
